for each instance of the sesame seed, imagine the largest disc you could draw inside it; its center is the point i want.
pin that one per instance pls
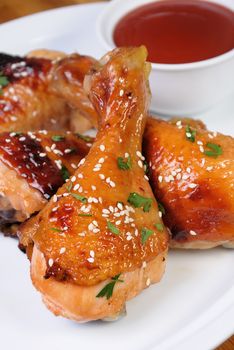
(178, 176)
(42, 154)
(121, 93)
(76, 187)
(58, 163)
(96, 230)
(55, 198)
(193, 233)
(209, 168)
(144, 264)
(120, 206)
(93, 187)
(81, 162)
(101, 160)
(102, 148)
(50, 262)
(160, 178)
(91, 253)
(102, 177)
(201, 149)
(126, 155)
(185, 176)
(62, 250)
(140, 164)
(73, 179)
(148, 282)
(80, 176)
(90, 260)
(192, 185)
(112, 184)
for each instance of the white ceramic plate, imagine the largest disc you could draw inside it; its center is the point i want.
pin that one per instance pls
(192, 308)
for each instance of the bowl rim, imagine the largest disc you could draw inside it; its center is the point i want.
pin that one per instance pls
(159, 66)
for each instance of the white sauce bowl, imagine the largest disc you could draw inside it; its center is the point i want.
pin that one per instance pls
(177, 89)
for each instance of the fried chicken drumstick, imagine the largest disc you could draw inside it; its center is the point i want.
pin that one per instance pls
(191, 173)
(33, 167)
(44, 93)
(100, 240)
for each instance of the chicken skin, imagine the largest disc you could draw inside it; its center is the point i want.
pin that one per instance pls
(192, 176)
(33, 167)
(41, 93)
(100, 240)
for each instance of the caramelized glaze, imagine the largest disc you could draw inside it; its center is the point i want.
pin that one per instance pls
(196, 190)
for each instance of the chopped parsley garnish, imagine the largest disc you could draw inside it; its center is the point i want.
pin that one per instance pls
(57, 138)
(139, 201)
(3, 81)
(112, 228)
(84, 215)
(214, 150)
(159, 227)
(146, 167)
(124, 164)
(145, 234)
(190, 133)
(84, 137)
(69, 187)
(79, 198)
(56, 229)
(65, 173)
(161, 208)
(107, 291)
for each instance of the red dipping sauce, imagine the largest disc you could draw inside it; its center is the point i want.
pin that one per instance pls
(178, 31)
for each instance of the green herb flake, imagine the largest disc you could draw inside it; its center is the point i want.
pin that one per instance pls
(146, 167)
(107, 291)
(65, 173)
(190, 133)
(85, 215)
(56, 229)
(161, 208)
(112, 228)
(69, 187)
(159, 227)
(214, 150)
(57, 138)
(84, 137)
(3, 82)
(79, 198)
(124, 163)
(139, 201)
(145, 234)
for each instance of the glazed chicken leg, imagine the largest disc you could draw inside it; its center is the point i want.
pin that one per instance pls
(41, 93)
(100, 240)
(32, 168)
(192, 175)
